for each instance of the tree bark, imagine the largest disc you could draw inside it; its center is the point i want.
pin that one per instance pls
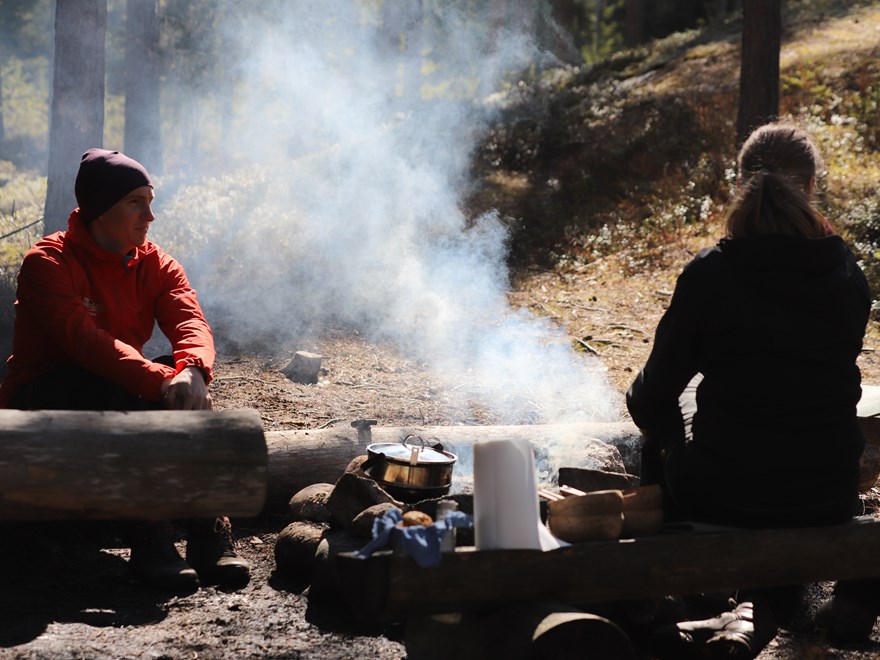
(715, 10)
(77, 116)
(159, 465)
(497, 18)
(759, 67)
(2, 125)
(142, 118)
(564, 13)
(634, 27)
(555, 30)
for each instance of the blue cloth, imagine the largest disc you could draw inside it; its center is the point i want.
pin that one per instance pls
(420, 542)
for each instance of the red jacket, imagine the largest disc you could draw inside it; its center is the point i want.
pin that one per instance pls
(79, 304)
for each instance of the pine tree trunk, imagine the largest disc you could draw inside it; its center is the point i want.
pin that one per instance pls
(77, 116)
(557, 27)
(759, 68)
(142, 118)
(2, 125)
(634, 27)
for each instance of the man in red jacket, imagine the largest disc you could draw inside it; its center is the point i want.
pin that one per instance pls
(87, 301)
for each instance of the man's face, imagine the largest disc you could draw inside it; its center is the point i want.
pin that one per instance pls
(125, 225)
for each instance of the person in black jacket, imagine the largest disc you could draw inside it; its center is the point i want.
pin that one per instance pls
(765, 328)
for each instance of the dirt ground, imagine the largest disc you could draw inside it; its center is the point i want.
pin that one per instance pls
(60, 598)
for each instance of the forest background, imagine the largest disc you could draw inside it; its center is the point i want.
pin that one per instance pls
(474, 211)
(571, 150)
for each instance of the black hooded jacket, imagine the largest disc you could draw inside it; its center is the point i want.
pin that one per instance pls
(775, 324)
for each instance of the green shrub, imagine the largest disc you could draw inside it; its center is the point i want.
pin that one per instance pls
(22, 195)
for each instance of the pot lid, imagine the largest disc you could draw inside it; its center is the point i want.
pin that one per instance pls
(403, 451)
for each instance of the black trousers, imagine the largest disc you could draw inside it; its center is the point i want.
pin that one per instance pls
(688, 495)
(76, 388)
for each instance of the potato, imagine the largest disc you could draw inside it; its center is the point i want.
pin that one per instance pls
(413, 518)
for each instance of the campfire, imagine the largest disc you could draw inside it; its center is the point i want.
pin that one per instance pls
(405, 471)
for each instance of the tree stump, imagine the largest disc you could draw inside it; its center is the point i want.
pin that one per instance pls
(304, 367)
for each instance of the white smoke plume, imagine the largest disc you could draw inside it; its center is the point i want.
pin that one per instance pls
(351, 155)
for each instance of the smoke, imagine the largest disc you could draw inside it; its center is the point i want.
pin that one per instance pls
(351, 148)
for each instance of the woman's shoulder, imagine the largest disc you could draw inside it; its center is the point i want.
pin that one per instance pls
(708, 260)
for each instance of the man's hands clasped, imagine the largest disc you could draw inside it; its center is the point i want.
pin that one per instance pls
(186, 391)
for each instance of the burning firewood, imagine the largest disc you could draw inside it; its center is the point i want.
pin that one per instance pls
(569, 490)
(587, 517)
(550, 495)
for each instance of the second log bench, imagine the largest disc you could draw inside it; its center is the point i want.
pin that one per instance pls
(388, 587)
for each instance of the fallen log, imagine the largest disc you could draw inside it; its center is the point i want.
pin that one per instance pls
(159, 465)
(606, 571)
(301, 458)
(518, 632)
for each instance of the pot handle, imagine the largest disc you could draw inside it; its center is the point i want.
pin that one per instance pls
(437, 446)
(373, 459)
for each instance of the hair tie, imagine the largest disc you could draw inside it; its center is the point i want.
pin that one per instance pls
(760, 185)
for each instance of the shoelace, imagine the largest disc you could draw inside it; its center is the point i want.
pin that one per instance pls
(223, 527)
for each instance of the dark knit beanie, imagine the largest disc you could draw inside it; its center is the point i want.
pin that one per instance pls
(104, 178)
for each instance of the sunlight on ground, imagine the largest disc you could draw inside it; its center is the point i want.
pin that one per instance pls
(834, 41)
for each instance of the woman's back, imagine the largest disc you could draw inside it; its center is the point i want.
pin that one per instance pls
(781, 326)
(773, 317)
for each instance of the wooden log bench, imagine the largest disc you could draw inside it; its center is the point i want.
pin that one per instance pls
(388, 587)
(160, 465)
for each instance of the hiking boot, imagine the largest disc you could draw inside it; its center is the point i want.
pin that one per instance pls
(210, 550)
(155, 561)
(740, 633)
(845, 621)
(753, 628)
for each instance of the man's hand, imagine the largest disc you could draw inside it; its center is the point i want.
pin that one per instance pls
(186, 391)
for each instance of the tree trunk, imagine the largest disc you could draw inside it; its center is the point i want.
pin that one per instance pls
(142, 120)
(2, 125)
(564, 13)
(497, 18)
(556, 31)
(634, 28)
(159, 465)
(759, 68)
(77, 117)
(718, 12)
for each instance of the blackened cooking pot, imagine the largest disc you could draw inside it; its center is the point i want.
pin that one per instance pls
(411, 471)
